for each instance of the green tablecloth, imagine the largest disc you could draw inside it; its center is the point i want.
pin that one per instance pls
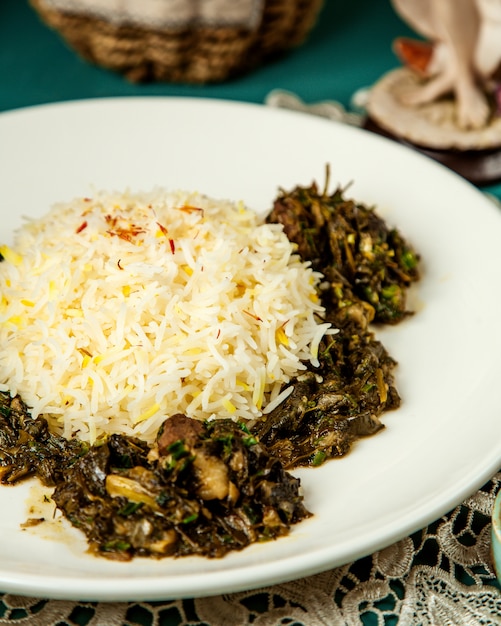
(349, 49)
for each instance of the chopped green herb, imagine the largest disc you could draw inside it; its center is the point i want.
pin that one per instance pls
(129, 508)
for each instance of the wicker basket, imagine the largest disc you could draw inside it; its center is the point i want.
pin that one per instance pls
(199, 54)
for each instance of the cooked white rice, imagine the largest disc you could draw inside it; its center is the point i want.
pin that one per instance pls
(119, 310)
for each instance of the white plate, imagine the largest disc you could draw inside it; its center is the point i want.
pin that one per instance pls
(438, 448)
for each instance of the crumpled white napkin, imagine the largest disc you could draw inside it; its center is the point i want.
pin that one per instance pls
(167, 13)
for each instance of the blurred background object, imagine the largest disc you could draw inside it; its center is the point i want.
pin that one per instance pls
(37, 66)
(192, 41)
(444, 101)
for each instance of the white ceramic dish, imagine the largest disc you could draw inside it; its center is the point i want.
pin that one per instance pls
(438, 448)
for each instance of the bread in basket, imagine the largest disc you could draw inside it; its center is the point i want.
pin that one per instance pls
(192, 41)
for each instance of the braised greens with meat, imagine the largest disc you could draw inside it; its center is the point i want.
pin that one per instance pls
(28, 448)
(368, 268)
(349, 243)
(211, 487)
(203, 488)
(339, 402)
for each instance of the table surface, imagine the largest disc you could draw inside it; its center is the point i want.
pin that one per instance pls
(348, 50)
